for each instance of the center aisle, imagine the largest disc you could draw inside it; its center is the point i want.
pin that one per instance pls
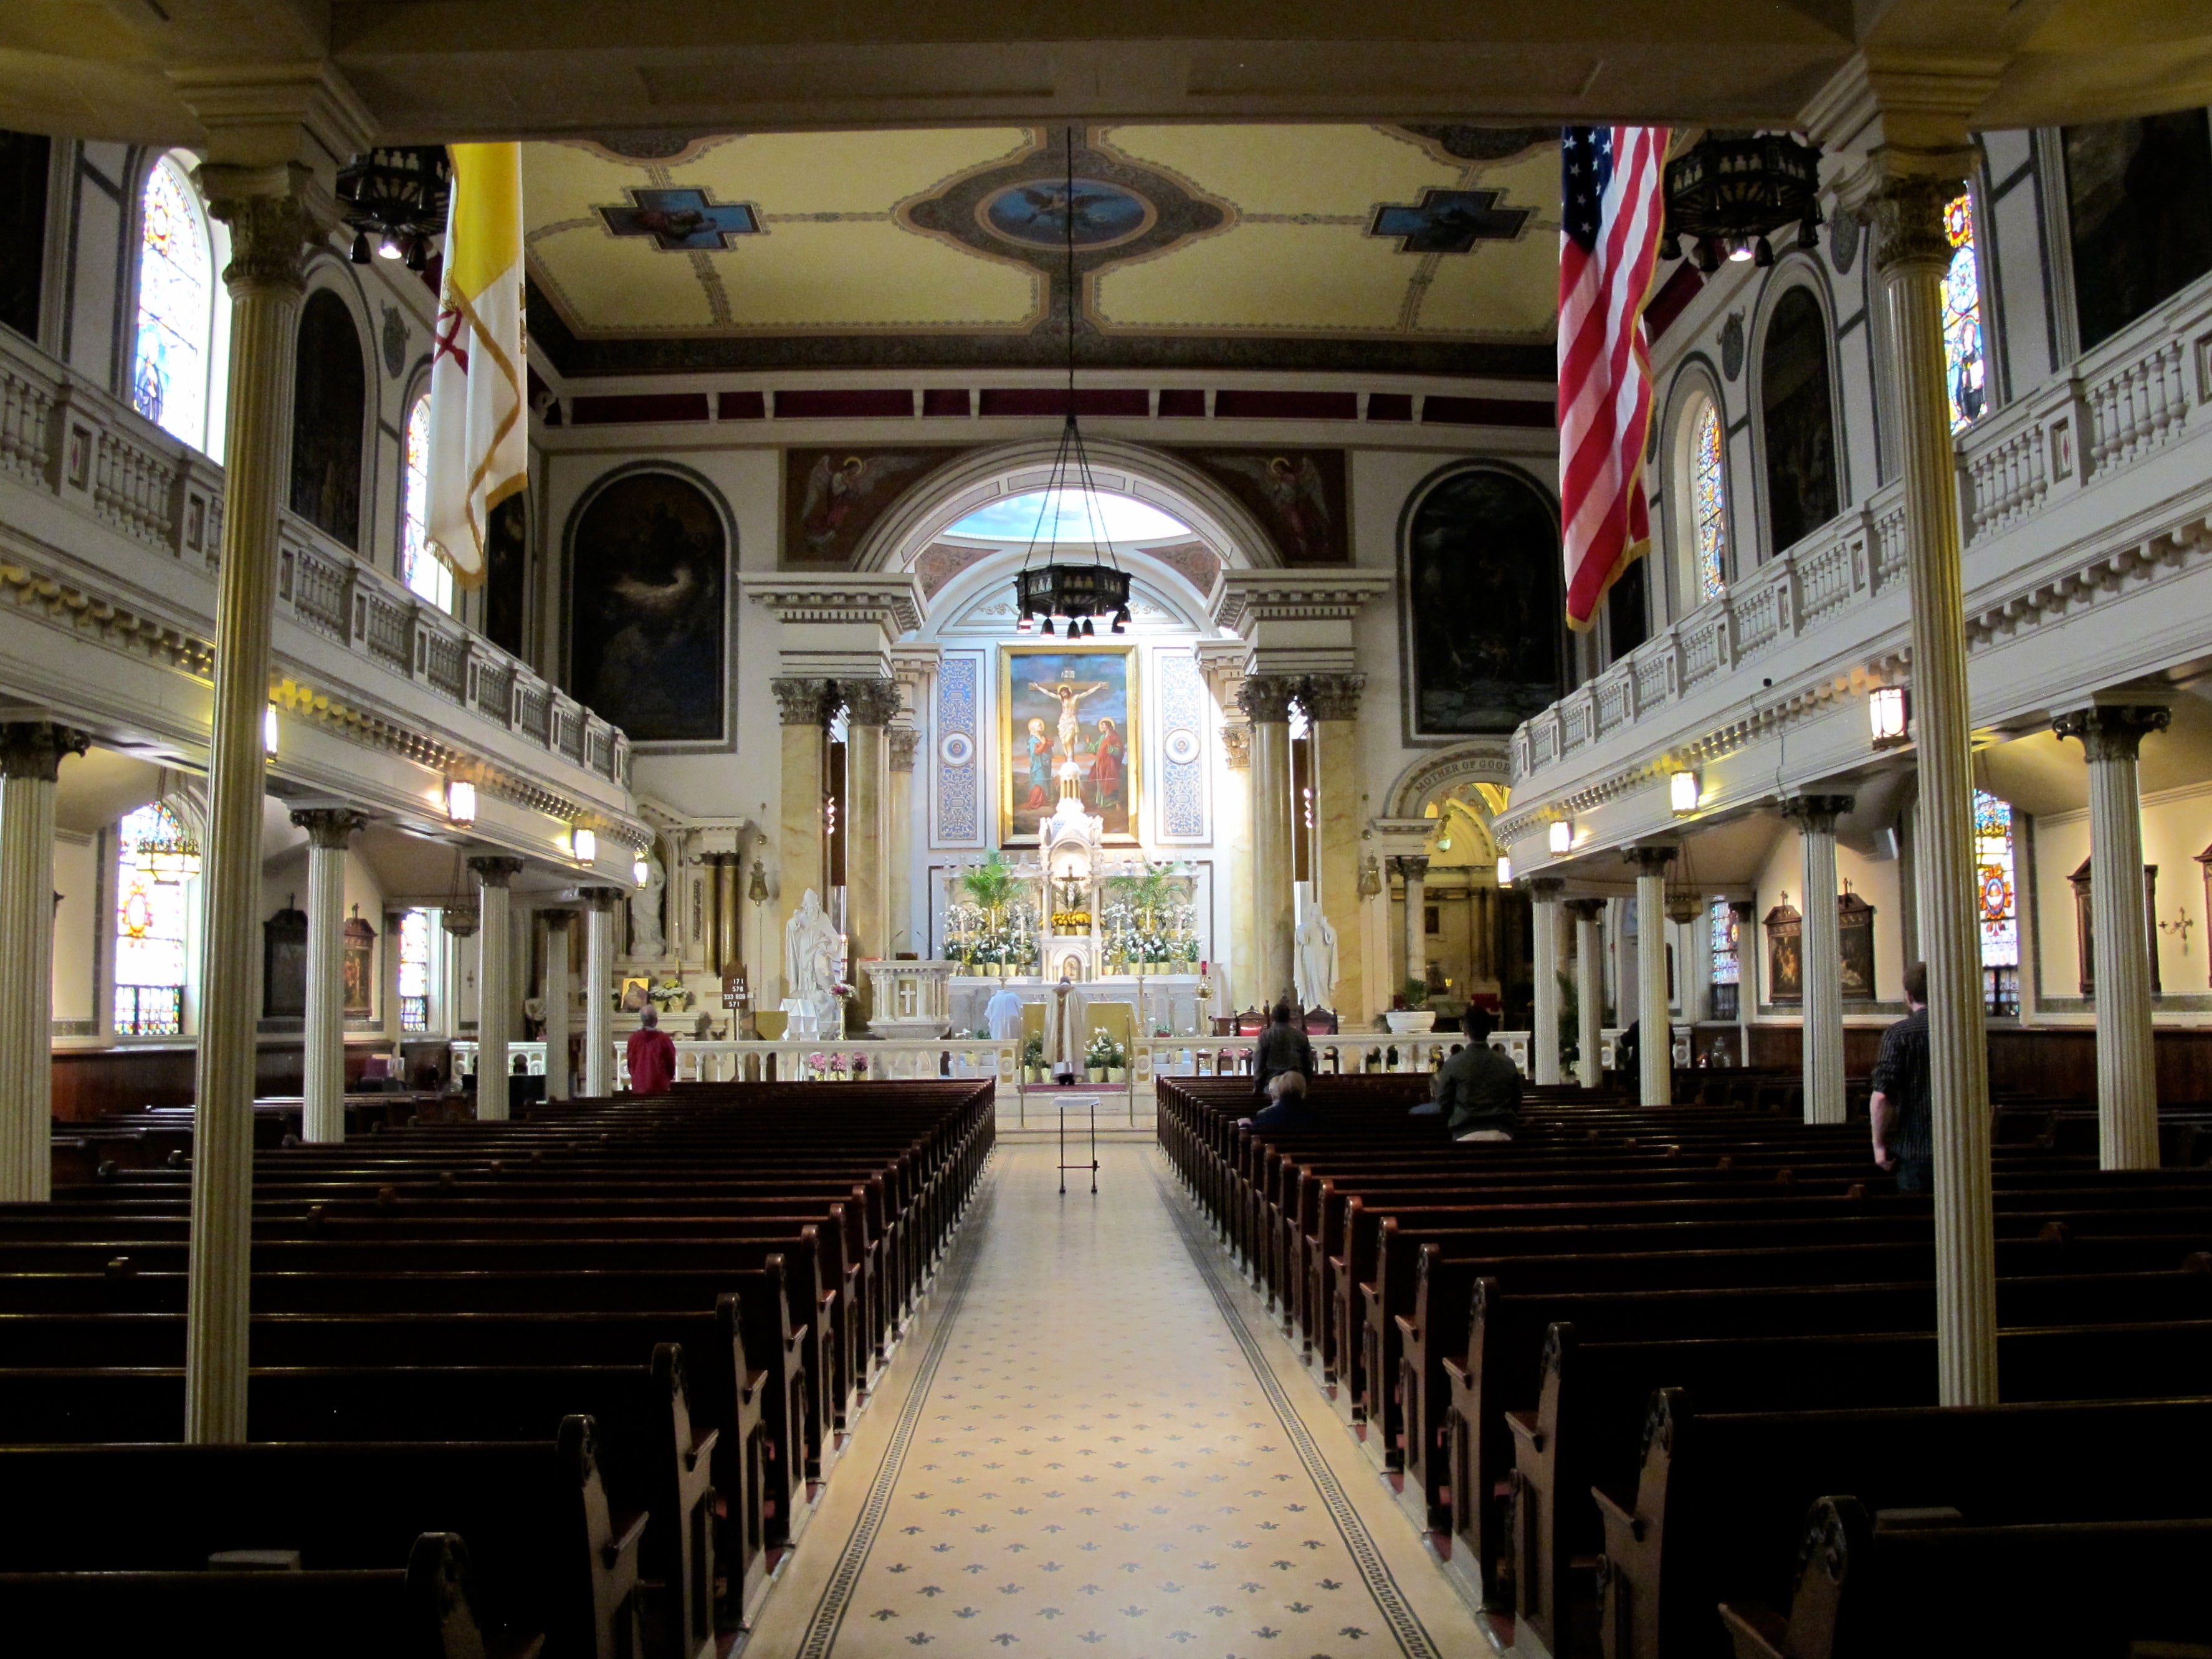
(1090, 1444)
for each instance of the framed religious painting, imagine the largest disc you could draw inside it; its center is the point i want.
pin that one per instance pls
(1785, 974)
(1067, 719)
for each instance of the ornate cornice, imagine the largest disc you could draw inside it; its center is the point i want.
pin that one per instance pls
(893, 602)
(1243, 598)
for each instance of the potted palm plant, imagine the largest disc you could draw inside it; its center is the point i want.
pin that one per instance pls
(1412, 1012)
(1033, 1060)
(990, 887)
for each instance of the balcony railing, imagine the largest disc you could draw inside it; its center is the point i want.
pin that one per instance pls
(78, 445)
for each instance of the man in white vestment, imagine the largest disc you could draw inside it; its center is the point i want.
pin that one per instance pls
(1002, 1015)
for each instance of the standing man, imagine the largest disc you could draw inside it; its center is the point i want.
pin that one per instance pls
(1282, 1047)
(651, 1057)
(1903, 1139)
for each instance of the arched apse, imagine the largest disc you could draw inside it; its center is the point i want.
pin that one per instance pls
(1800, 443)
(648, 643)
(1482, 602)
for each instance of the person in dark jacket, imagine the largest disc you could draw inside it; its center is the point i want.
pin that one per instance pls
(1478, 1089)
(1288, 1107)
(1282, 1047)
(1904, 1138)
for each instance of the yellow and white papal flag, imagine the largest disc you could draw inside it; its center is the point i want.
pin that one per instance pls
(479, 439)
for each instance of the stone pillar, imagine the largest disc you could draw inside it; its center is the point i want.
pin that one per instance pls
(1544, 922)
(1910, 256)
(804, 704)
(870, 707)
(329, 831)
(494, 983)
(1589, 992)
(1820, 954)
(1266, 698)
(604, 905)
(1745, 913)
(1332, 703)
(1656, 1033)
(1235, 833)
(556, 995)
(1693, 961)
(2119, 932)
(1415, 869)
(901, 742)
(270, 222)
(30, 761)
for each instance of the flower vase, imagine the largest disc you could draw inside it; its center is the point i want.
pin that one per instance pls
(1117, 1074)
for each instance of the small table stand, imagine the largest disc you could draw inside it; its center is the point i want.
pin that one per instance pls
(1090, 1103)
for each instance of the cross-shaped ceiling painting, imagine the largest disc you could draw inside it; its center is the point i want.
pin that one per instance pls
(1419, 248)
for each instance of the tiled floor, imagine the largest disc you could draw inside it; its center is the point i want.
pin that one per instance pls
(1089, 1445)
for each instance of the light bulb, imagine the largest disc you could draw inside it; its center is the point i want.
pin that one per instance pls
(268, 729)
(585, 846)
(1562, 837)
(461, 801)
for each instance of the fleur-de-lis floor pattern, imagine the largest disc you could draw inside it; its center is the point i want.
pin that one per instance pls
(1091, 1445)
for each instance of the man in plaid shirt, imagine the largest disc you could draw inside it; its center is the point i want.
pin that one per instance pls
(1904, 1141)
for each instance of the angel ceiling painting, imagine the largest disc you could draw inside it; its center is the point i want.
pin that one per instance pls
(1062, 712)
(1298, 496)
(833, 497)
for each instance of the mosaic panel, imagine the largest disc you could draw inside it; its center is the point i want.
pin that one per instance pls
(1182, 739)
(958, 791)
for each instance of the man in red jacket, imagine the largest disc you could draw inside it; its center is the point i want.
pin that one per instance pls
(652, 1057)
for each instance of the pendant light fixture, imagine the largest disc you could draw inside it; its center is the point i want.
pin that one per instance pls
(1072, 595)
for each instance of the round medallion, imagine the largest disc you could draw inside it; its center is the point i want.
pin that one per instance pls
(1034, 213)
(957, 749)
(1183, 745)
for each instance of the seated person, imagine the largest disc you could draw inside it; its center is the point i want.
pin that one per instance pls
(1282, 1047)
(1478, 1089)
(1288, 1107)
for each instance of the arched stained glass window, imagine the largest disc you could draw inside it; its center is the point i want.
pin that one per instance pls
(1999, 902)
(1723, 930)
(173, 359)
(423, 571)
(152, 914)
(1709, 500)
(1965, 367)
(417, 937)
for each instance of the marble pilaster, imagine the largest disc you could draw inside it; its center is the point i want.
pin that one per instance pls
(902, 741)
(31, 753)
(870, 707)
(1820, 955)
(1655, 1030)
(1589, 992)
(805, 704)
(603, 905)
(1544, 925)
(556, 996)
(1332, 703)
(329, 831)
(1415, 871)
(494, 983)
(1266, 699)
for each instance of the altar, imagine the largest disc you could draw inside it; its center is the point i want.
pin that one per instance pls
(1156, 1000)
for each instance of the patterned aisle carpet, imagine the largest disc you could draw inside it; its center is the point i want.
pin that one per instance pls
(1087, 1447)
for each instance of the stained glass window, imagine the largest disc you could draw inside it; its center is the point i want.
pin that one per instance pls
(416, 937)
(1999, 902)
(1721, 919)
(422, 569)
(1709, 500)
(1964, 363)
(151, 914)
(170, 372)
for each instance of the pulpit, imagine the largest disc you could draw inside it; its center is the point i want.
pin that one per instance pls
(912, 999)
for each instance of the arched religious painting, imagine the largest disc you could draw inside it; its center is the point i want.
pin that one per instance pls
(329, 407)
(1801, 492)
(648, 581)
(1484, 605)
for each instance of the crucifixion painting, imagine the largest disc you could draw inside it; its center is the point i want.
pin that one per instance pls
(1063, 708)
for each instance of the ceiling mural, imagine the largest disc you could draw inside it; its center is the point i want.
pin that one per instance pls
(1331, 246)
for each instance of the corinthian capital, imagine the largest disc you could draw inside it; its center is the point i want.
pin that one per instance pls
(1267, 697)
(1907, 218)
(34, 749)
(272, 214)
(2112, 732)
(1332, 696)
(870, 702)
(804, 701)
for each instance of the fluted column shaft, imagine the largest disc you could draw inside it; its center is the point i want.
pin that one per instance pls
(329, 831)
(604, 904)
(1331, 702)
(556, 995)
(1416, 872)
(2119, 932)
(31, 752)
(1267, 699)
(898, 874)
(870, 707)
(1589, 992)
(1655, 1051)
(804, 705)
(1911, 255)
(1820, 955)
(1235, 806)
(268, 234)
(1544, 920)
(494, 983)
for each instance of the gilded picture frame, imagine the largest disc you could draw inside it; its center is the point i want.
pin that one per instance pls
(1094, 684)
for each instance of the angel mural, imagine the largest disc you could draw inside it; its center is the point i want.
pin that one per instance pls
(1297, 494)
(833, 496)
(1092, 696)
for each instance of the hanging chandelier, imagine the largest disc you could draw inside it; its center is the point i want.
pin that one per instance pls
(1072, 595)
(395, 200)
(1731, 191)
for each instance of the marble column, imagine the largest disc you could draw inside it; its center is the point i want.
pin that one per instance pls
(1544, 923)
(1693, 961)
(1820, 955)
(1266, 699)
(31, 754)
(329, 831)
(1589, 992)
(1656, 1028)
(804, 705)
(494, 983)
(1414, 868)
(901, 742)
(1331, 702)
(725, 940)
(556, 995)
(270, 222)
(870, 707)
(1234, 804)
(603, 905)
(2120, 942)
(1910, 256)
(1746, 974)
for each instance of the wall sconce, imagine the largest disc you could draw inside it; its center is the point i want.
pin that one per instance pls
(584, 846)
(1682, 791)
(268, 729)
(1562, 837)
(1889, 716)
(640, 871)
(1504, 870)
(461, 801)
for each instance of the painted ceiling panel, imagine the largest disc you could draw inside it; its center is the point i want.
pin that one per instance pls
(1340, 170)
(1259, 276)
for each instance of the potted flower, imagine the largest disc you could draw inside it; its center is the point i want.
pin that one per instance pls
(1105, 1061)
(1033, 1060)
(859, 1068)
(1412, 1013)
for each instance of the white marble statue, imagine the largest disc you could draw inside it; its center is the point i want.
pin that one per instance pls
(1316, 960)
(648, 941)
(811, 950)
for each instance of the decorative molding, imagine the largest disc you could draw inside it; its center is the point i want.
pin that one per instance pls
(893, 602)
(1267, 698)
(1242, 598)
(905, 740)
(868, 703)
(1331, 697)
(805, 700)
(1485, 760)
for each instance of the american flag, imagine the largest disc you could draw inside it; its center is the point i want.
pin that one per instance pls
(1610, 219)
